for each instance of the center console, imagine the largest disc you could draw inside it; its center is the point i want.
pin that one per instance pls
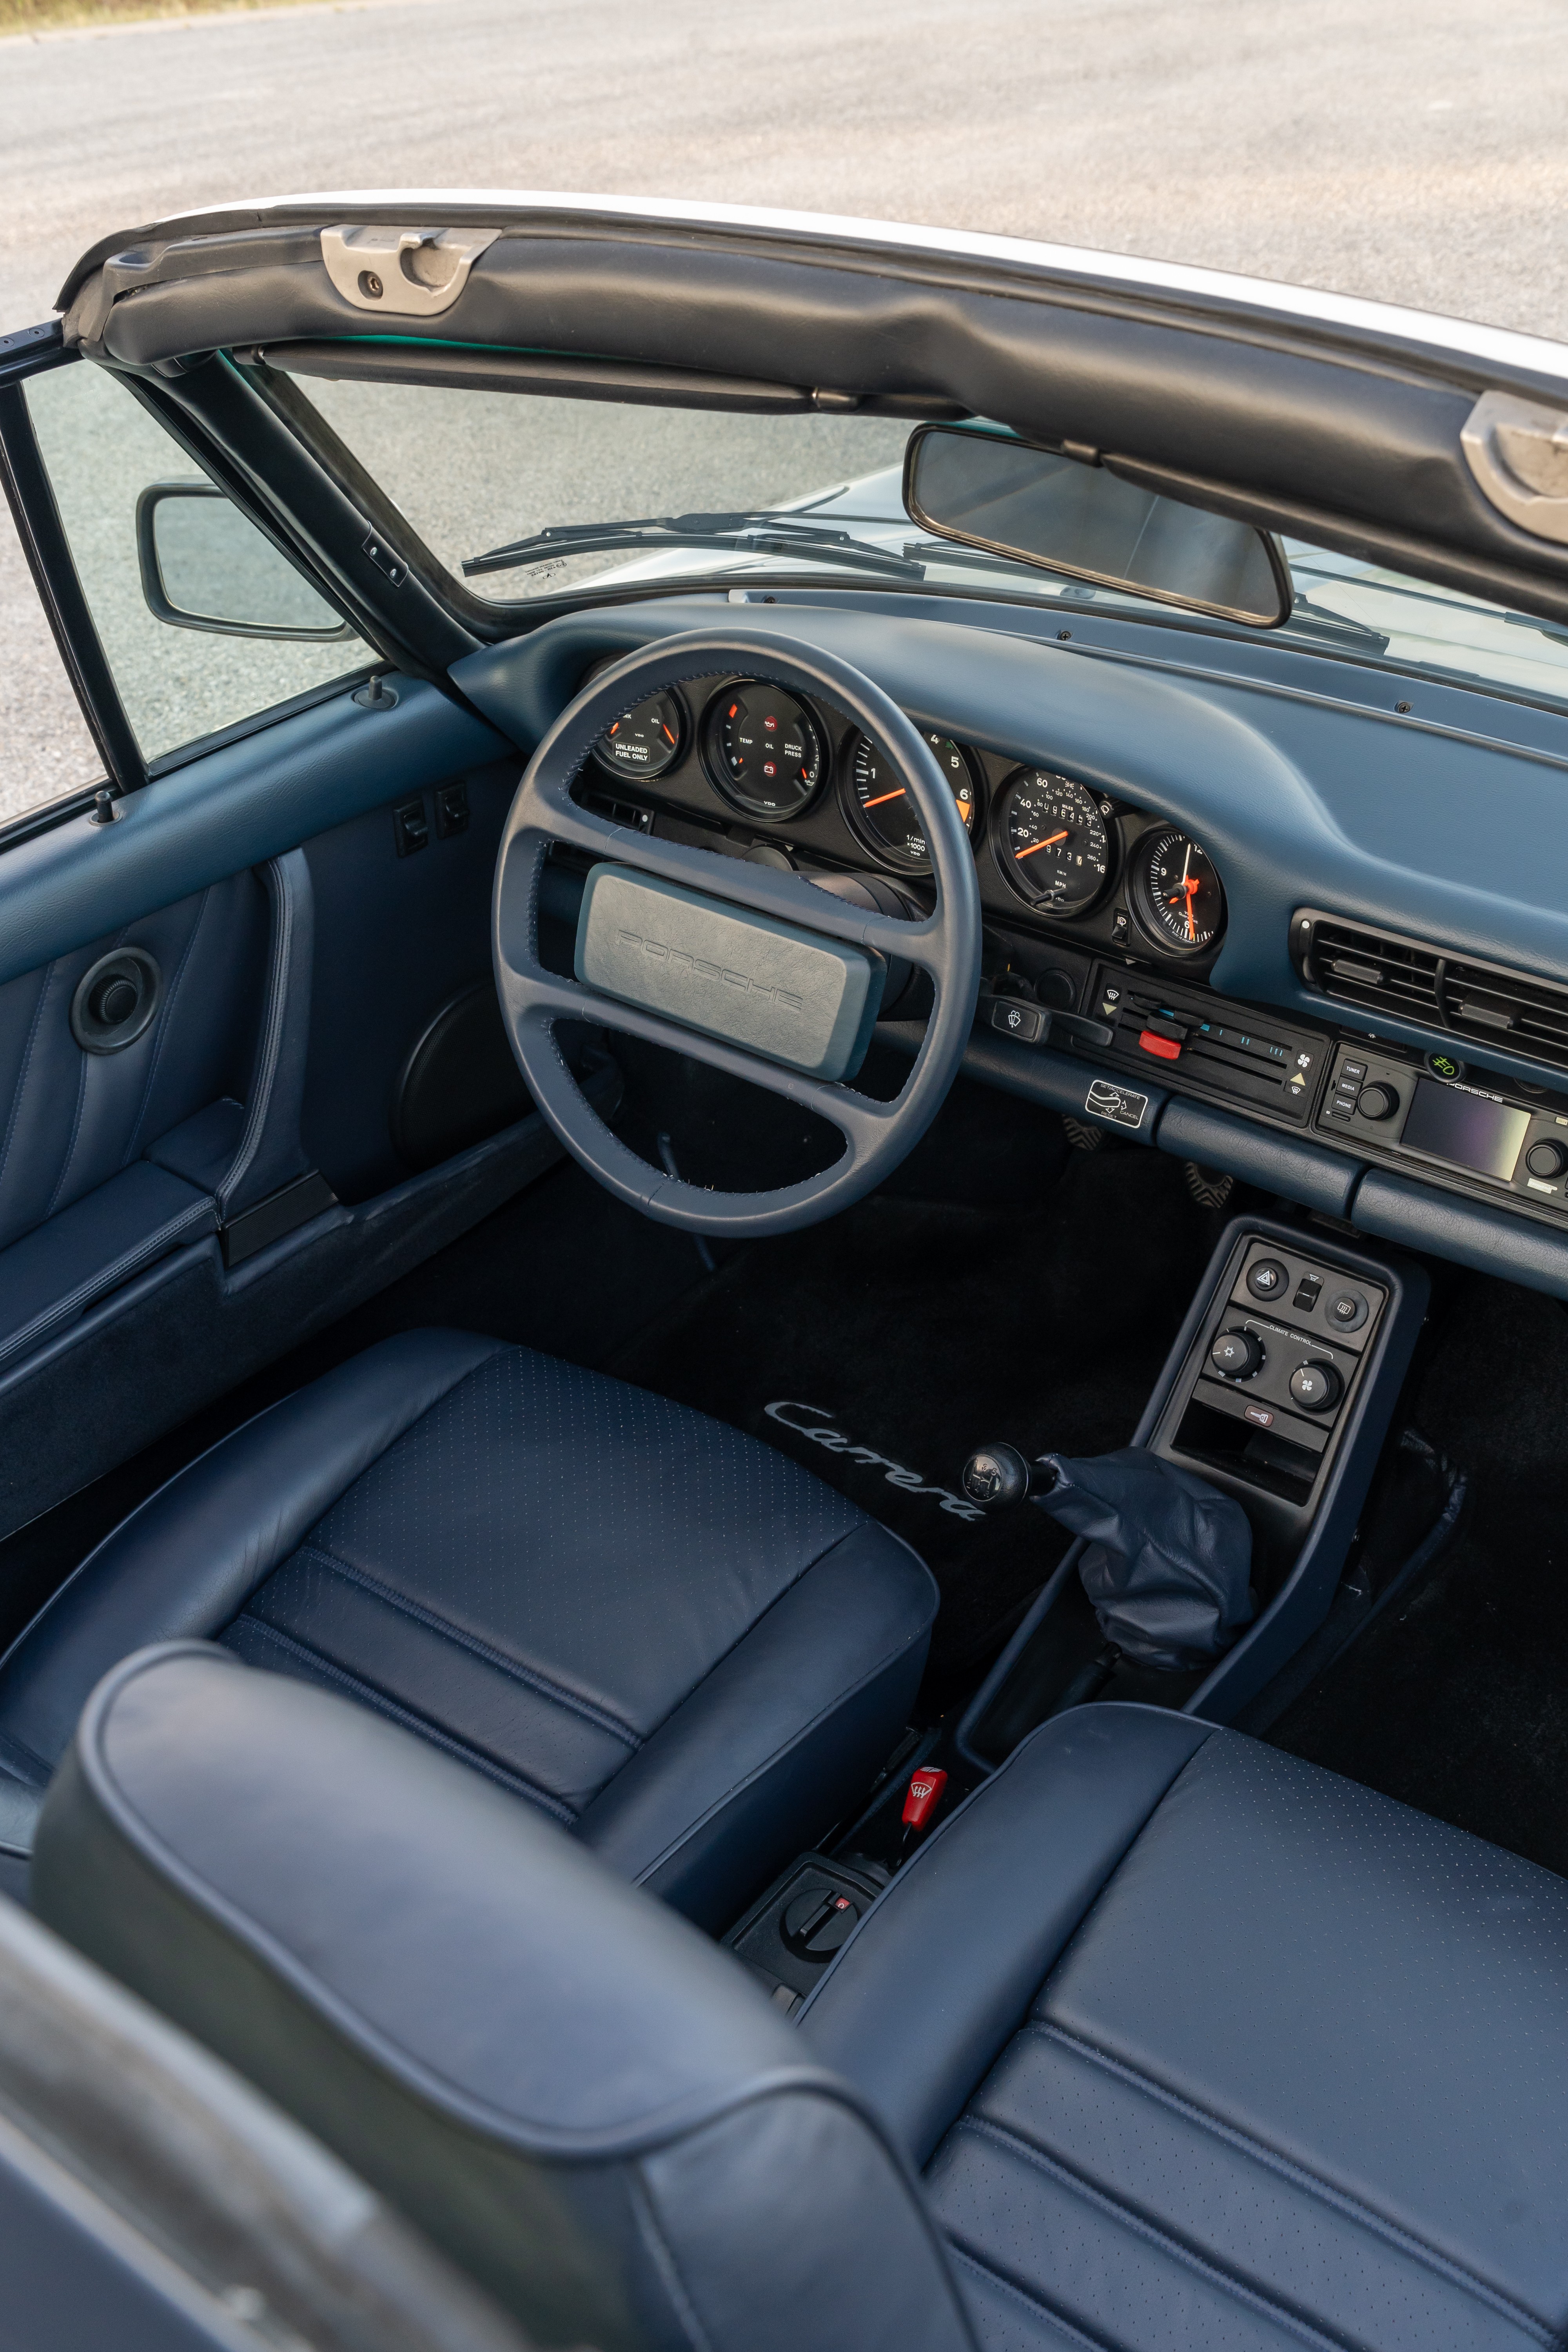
(1279, 1392)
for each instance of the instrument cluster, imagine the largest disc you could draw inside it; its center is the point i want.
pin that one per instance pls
(1050, 846)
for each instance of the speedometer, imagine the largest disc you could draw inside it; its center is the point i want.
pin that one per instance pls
(1052, 841)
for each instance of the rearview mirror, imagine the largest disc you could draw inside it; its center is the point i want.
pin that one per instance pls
(205, 565)
(1065, 514)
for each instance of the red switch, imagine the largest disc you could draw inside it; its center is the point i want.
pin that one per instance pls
(1167, 1048)
(925, 1797)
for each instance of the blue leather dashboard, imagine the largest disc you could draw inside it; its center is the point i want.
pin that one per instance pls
(1304, 782)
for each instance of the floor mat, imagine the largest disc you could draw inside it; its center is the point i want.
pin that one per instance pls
(1457, 1699)
(882, 1347)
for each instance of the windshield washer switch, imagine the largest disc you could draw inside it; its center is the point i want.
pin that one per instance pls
(923, 1798)
(410, 827)
(451, 810)
(1025, 1022)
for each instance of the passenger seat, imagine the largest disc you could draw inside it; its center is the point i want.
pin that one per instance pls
(1166, 2040)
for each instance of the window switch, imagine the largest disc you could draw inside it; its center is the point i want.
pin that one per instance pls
(410, 827)
(451, 810)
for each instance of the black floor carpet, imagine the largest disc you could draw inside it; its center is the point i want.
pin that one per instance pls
(1456, 1699)
(915, 1332)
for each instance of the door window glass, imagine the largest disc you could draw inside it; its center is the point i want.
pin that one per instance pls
(178, 682)
(45, 747)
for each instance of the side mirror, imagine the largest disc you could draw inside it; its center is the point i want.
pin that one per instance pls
(205, 565)
(1040, 507)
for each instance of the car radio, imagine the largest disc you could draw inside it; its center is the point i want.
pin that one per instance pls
(1437, 1112)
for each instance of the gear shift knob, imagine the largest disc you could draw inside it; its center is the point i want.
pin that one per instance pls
(999, 1476)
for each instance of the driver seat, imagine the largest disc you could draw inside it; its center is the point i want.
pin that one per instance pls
(659, 1633)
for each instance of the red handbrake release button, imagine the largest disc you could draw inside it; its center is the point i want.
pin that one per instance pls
(924, 1796)
(1167, 1048)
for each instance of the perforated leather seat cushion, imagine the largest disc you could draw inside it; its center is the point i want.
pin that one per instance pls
(1294, 2069)
(658, 1631)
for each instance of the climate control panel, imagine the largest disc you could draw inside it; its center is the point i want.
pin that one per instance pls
(1285, 1349)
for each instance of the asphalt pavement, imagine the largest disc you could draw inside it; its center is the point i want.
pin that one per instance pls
(1411, 150)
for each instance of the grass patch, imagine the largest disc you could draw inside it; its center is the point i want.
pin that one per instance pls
(51, 16)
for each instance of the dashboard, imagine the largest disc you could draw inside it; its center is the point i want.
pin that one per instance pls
(1310, 927)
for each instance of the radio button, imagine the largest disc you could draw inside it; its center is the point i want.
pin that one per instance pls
(1378, 1102)
(1546, 1159)
(1355, 1071)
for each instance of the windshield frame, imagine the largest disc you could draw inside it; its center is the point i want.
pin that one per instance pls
(494, 620)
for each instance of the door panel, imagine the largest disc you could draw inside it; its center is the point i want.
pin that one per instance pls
(74, 1119)
(293, 992)
(398, 938)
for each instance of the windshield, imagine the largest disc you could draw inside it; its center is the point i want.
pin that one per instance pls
(526, 498)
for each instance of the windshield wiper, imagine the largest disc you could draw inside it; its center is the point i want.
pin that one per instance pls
(756, 533)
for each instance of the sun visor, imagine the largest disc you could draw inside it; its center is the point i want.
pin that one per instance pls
(1347, 432)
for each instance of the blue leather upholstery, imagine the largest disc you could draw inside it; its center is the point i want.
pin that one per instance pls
(70, 1120)
(579, 2098)
(1300, 2076)
(1213, 2048)
(646, 1625)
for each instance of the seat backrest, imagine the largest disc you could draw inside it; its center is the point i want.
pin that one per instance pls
(585, 2104)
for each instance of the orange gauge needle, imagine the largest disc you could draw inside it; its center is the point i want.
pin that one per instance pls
(1050, 843)
(666, 729)
(1188, 891)
(884, 796)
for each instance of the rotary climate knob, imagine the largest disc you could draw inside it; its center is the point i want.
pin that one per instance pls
(1317, 1386)
(1238, 1355)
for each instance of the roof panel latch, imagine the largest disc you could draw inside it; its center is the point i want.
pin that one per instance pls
(405, 273)
(1518, 452)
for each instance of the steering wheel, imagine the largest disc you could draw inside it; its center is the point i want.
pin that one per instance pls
(729, 944)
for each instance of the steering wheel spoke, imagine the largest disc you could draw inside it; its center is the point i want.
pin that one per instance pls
(946, 944)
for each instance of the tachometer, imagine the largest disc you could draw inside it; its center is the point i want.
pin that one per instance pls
(647, 742)
(1052, 841)
(883, 811)
(1176, 895)
(764, 750)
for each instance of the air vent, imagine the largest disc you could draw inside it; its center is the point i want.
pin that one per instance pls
(1530, 1016)
(1381, 973)
(1371, 968)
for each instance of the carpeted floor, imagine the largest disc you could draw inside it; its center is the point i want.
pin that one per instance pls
(915, 1332)
(1456, 1699)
